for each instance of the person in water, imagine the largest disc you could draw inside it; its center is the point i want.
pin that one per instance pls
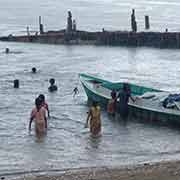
(52, 86)
(124, 96)
(7, 51)
(34, 70)
(75, 91)
(94, 119)
(45, 105)
(111, 107)
(38, 114)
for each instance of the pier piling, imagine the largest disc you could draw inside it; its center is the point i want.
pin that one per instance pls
(147, 25)
(133, 21)
(41, 28)
(74, 25)
(27, 29)
(69, 22)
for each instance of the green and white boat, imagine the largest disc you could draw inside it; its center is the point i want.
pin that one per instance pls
(147, 106)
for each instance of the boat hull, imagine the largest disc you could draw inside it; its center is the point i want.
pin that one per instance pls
(146, 115)
(136, 110)
(93, 96)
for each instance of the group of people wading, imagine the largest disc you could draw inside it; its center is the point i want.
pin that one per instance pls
(117, 103)
(40, 113)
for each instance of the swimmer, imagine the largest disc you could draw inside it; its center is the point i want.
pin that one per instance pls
(75, 91)
(16, 83)
(38, 114)
(33, 70)
(7, 50)
(52, 86)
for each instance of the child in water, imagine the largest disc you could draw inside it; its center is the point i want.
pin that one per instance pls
(94, 119)
(75, 91)
(38, 114)
(111, 107)
(52, 86)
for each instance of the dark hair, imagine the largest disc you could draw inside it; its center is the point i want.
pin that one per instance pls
(95, 103)
(7, 50)
(113, 93)
(38, 103)
(42, 97)
(125, 86)
(34, 70)
(52, 80)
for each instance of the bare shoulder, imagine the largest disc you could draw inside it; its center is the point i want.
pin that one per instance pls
(43, 109)
(34, 110)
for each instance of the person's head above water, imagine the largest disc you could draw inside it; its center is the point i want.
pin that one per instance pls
(33, 70)
(42, 97)
(38, 102)
(94, 103)
(125, 86)
(7, 50)
(52, 81)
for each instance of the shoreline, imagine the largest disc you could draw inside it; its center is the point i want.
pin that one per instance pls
(166, 170)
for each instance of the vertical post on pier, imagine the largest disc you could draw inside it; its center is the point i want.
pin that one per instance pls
(74, 25)
(69, 22)
(147, 25)
(41, 28)
(27, 29)
(133, 21)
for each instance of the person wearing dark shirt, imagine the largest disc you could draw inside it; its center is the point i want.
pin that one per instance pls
(124, 96)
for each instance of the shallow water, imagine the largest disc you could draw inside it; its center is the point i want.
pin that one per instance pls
(67, 144)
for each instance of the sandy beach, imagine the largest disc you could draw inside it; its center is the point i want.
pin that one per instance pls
(156, 171)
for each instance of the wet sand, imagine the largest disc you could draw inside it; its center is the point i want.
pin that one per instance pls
(156, 171)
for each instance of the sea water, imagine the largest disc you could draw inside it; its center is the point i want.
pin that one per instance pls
(67, 144)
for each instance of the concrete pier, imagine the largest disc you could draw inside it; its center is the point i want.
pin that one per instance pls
(115, 38)
(71, 35)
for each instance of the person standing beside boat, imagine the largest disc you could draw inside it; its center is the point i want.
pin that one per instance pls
(94, 119)
(123, 97)
(111, 107)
